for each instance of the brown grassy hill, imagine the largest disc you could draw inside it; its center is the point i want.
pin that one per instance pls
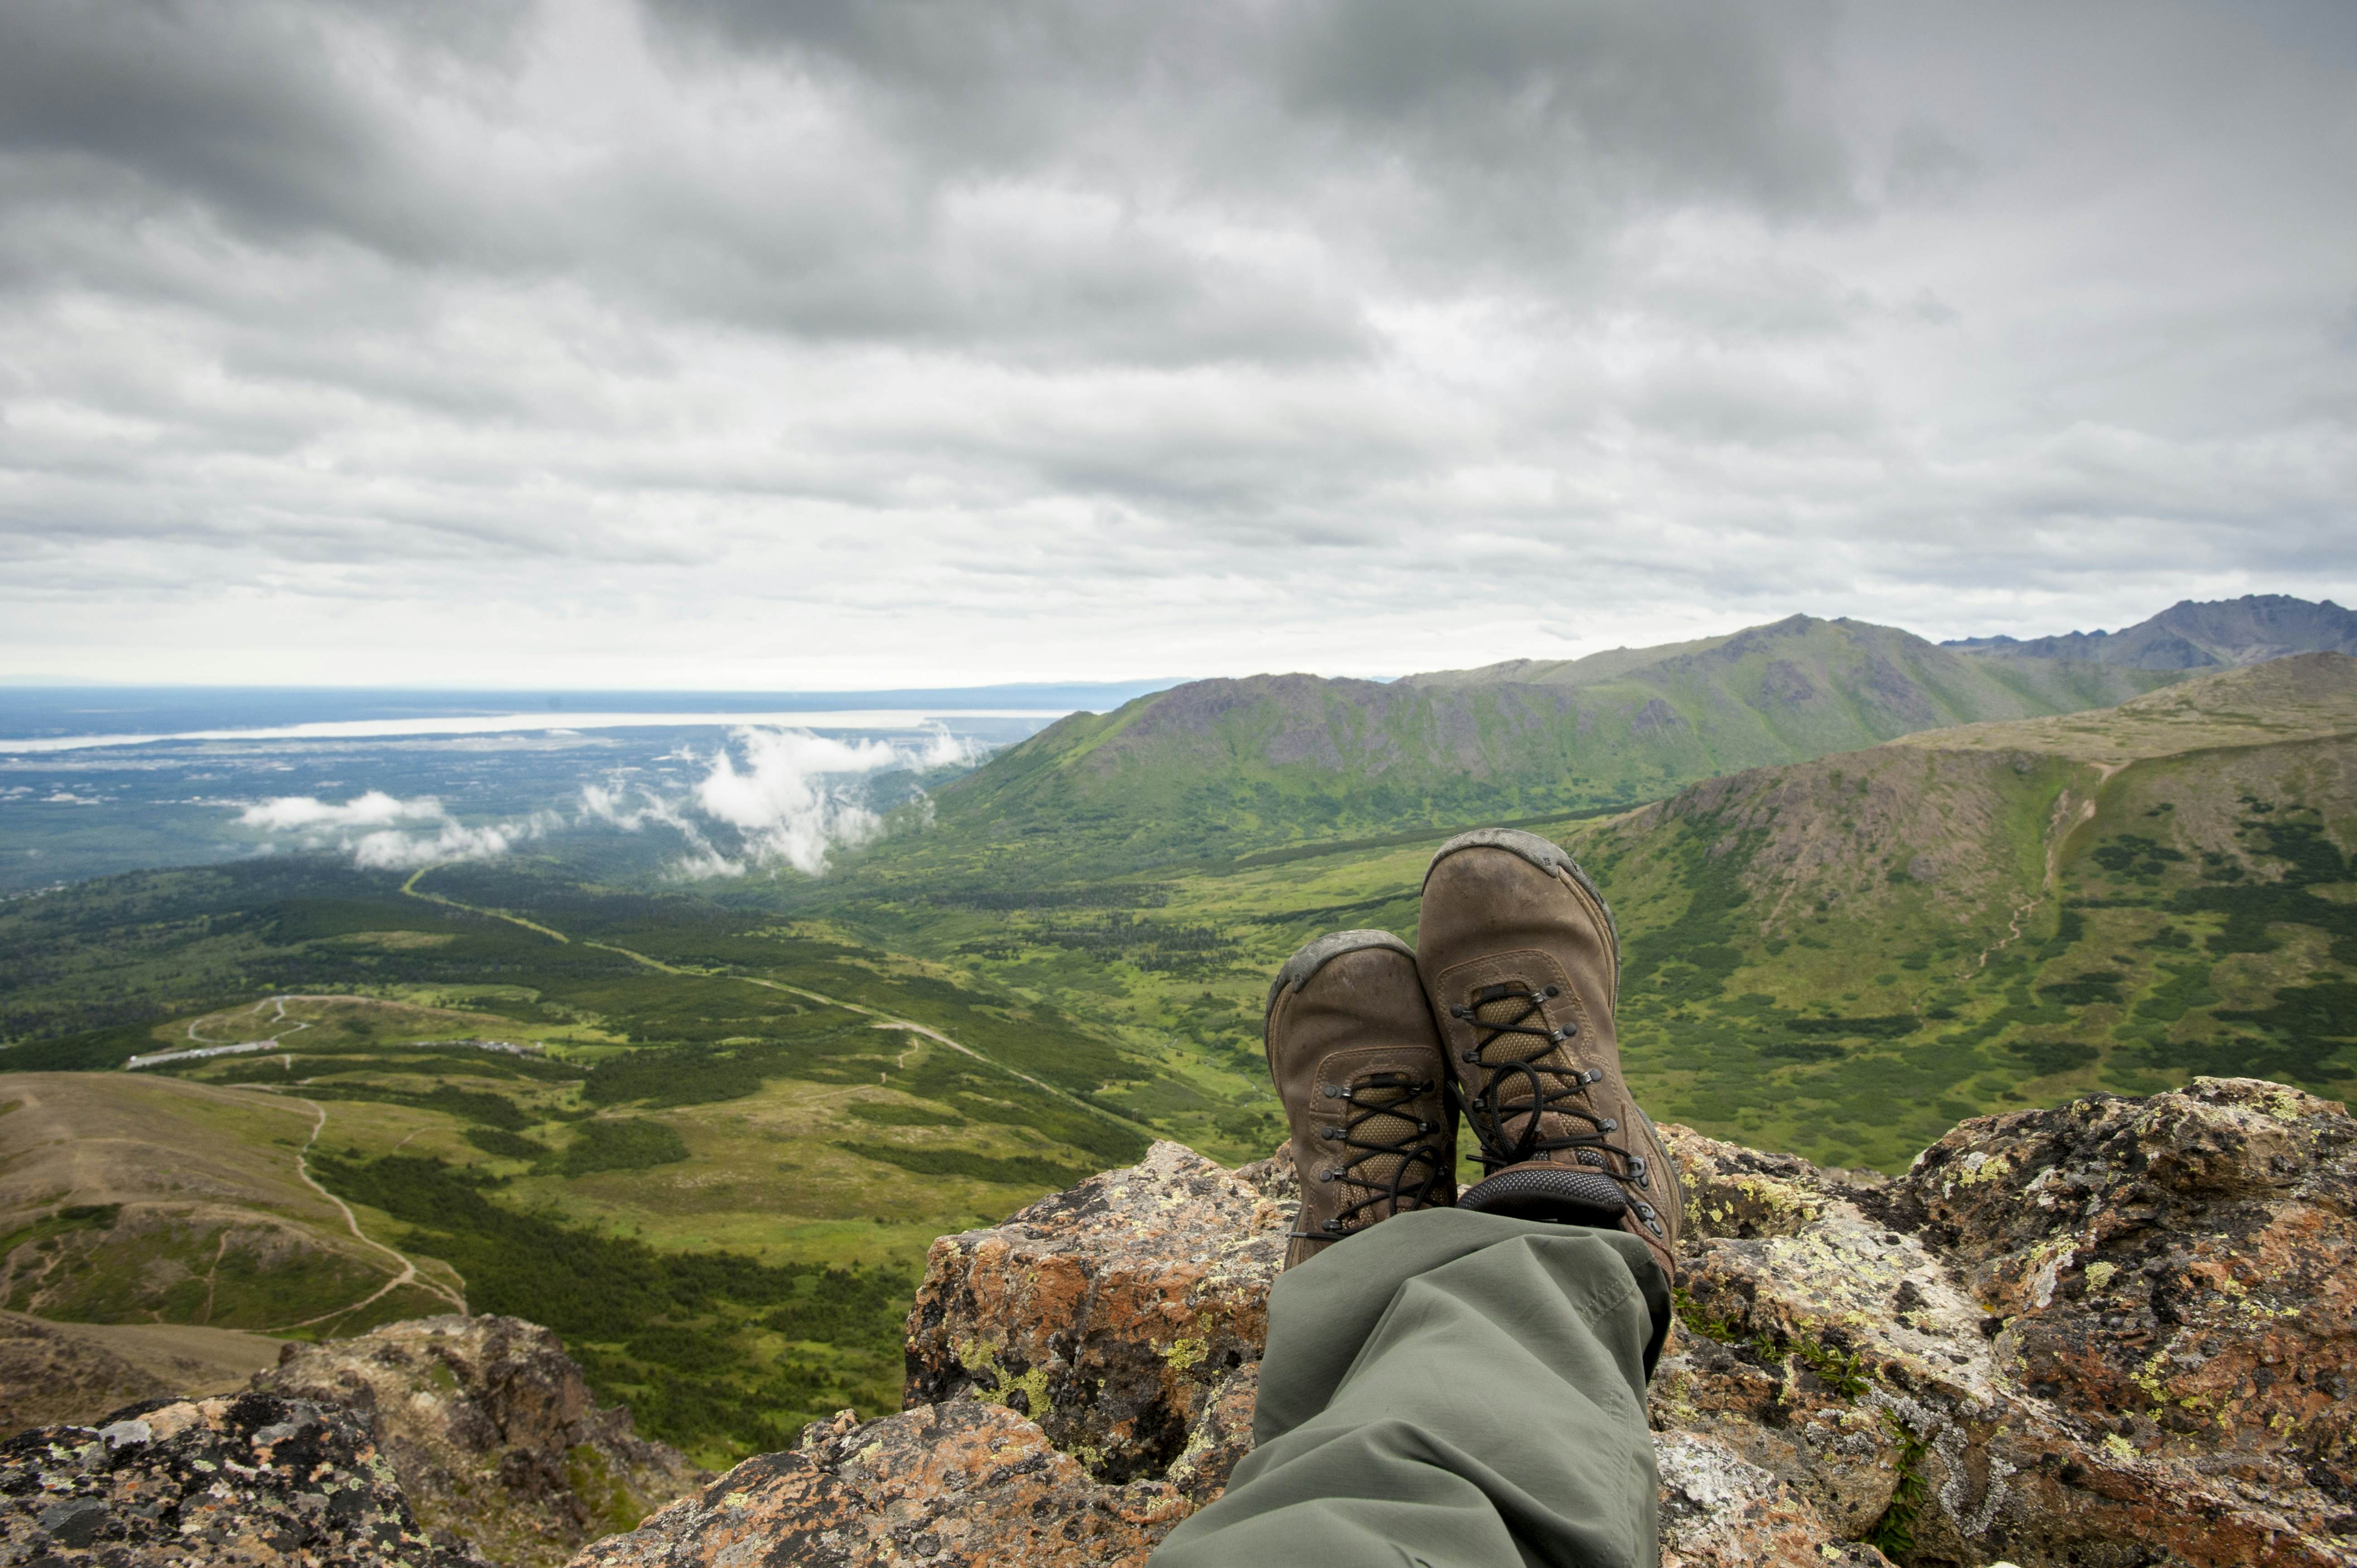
(126, 1198)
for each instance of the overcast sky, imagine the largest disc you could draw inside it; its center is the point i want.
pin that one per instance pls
(841, 343)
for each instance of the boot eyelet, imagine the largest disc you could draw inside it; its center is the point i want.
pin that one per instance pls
(1468, 1056)
(1329, 1132)
(1330, 1091)
(1328, 1175)
(1607, 1125)
(1332, 1227)
(1554, 991)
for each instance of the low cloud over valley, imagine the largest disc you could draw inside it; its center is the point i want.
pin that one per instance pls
(767, 797)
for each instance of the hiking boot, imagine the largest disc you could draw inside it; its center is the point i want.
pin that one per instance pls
(1520, 958)
(1352, 1046)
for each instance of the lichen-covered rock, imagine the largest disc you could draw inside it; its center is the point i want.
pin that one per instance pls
(1875, 1357)
(2188, 1263)
(492, 1432)
(2114, 1333)
(1719, 1512)
(251, 1480)
(1112, 1315)
(961, 1484)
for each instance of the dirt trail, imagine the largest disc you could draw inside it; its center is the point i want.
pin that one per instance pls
(883, 1020)
(408, 1274)
(280, 1002)
(2012, 932)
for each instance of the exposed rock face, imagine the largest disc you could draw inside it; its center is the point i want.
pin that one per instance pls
(493, 1433)
(2120, 1332)
(961, 1482)
(254, 1480)
(71, 1374)
(2112, 1331)
(1116, 1315)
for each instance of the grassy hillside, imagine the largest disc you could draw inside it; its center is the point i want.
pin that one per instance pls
(1840, 957)
(716, 1174)
(748, 1113)
(1843, 956)
(1217, 768)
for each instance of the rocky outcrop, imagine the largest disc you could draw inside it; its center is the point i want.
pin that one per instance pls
(961, 1482)
(493, 1433)
(1118, 1316)
(71, 1374)
(2121, 1331)
(2112, 1331)
(256, 1481)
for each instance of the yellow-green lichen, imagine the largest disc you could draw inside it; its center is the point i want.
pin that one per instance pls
(2100, 1275)
(1977, 1167)
(1186, 1353)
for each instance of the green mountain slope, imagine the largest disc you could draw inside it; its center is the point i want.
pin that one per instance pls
(1840, 956)
(1216, 768)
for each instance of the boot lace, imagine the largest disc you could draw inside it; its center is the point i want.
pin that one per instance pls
(1511, 1017)
(1389, 1154)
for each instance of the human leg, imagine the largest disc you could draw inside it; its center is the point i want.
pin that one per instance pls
(1461, 1387)
(1452, 1390)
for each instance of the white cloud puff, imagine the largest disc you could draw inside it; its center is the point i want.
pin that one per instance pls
(399, 834)
(784, 797)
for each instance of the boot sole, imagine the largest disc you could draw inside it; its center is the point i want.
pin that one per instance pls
(1545, 854)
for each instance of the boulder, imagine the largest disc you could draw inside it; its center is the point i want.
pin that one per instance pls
(1116, 1315)
(961, 1482)
(254, 1480)
(2116, 1332)
(2026, 1347)
(493, 1433)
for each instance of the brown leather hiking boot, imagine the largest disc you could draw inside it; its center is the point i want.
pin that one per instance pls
(1359, 1068)
(1520, 958)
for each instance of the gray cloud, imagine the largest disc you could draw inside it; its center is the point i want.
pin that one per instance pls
(708, 341)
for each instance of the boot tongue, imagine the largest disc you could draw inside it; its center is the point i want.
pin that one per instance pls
(1562, 1194)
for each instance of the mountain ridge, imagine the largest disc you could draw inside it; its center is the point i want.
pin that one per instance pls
(1229, 765)
(2196, 634)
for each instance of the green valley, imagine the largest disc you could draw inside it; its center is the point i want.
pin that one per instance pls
(708, 1133)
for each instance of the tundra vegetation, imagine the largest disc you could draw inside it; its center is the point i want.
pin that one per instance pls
(749, 1107)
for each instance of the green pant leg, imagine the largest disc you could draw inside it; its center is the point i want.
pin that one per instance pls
(1451, 1390)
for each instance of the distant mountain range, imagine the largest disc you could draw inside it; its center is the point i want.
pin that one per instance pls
(1213, 768)
(2189, 635)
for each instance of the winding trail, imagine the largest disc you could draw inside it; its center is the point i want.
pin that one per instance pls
(883, 1020)
(408, 1274)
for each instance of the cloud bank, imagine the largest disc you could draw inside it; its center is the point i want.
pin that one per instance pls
(385, 833)
(715, 342)
(781, 797)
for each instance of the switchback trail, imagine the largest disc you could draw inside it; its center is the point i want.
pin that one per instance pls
(408, 1274)
(883, 1020)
